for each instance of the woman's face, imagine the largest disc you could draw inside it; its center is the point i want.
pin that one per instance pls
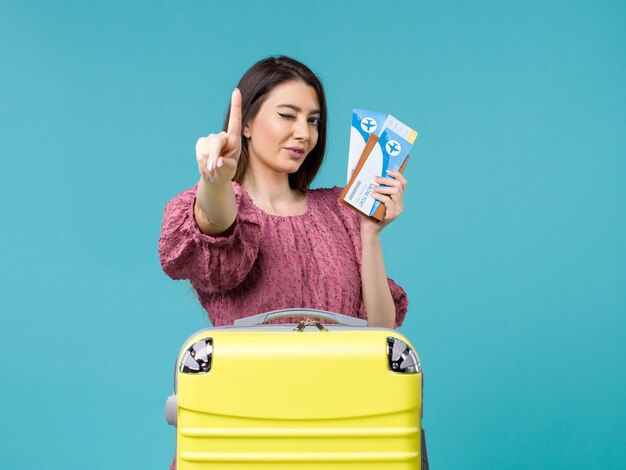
(285, 129)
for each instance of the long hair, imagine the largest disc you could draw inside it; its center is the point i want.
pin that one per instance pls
(255, 86)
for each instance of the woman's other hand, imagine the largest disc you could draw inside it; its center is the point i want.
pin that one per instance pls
(218, 154)
(392, 195)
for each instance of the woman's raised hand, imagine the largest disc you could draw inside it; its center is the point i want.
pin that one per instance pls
(392, 195)
(218, 154)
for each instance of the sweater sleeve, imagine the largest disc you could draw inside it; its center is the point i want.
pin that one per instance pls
(212, 263)
(352, 219)
(400, 300)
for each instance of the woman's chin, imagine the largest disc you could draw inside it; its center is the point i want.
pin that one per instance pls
(294, 166)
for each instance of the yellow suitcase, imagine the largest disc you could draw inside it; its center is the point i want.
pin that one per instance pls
(297, 396)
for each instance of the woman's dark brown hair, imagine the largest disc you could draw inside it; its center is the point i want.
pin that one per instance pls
(255, 86)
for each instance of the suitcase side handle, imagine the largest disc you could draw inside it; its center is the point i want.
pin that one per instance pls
(300, 312)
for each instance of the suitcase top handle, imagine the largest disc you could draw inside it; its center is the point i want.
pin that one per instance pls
(300, 312)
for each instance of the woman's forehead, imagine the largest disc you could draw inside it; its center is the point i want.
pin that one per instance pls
(295, 94)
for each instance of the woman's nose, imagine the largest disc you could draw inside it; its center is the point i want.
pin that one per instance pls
(301, 129)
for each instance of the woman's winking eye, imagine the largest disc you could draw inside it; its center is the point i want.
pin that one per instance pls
(312, 120)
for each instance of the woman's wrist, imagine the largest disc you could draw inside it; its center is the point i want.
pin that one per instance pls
(369, 236)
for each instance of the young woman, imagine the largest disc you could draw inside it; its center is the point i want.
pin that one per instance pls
(252, 237)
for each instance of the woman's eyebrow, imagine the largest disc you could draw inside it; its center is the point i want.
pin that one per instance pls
(297, 108)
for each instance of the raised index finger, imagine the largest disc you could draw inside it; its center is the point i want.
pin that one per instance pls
(234, 119)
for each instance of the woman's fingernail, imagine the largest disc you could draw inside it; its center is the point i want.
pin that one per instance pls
(220, 163)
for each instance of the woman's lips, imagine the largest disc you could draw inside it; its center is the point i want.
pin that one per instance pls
(295, 152)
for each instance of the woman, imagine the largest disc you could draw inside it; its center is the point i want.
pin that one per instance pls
(251, 237)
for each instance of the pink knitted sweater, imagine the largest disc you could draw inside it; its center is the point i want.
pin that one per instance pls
(266, 262)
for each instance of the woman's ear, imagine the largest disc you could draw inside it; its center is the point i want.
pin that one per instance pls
(246, 131)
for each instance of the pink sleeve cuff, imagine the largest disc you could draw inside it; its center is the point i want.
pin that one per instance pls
(212, 263)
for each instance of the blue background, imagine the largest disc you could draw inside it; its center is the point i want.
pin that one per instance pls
(511, 247)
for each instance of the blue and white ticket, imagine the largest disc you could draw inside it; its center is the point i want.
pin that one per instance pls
(394, 144)
(364, 124)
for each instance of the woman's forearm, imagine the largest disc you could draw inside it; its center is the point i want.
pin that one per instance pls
(216, 208)
(377, 298)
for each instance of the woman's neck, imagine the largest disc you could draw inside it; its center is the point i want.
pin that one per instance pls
(272, 193)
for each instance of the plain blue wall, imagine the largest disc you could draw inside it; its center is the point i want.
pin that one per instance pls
(512, 245)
